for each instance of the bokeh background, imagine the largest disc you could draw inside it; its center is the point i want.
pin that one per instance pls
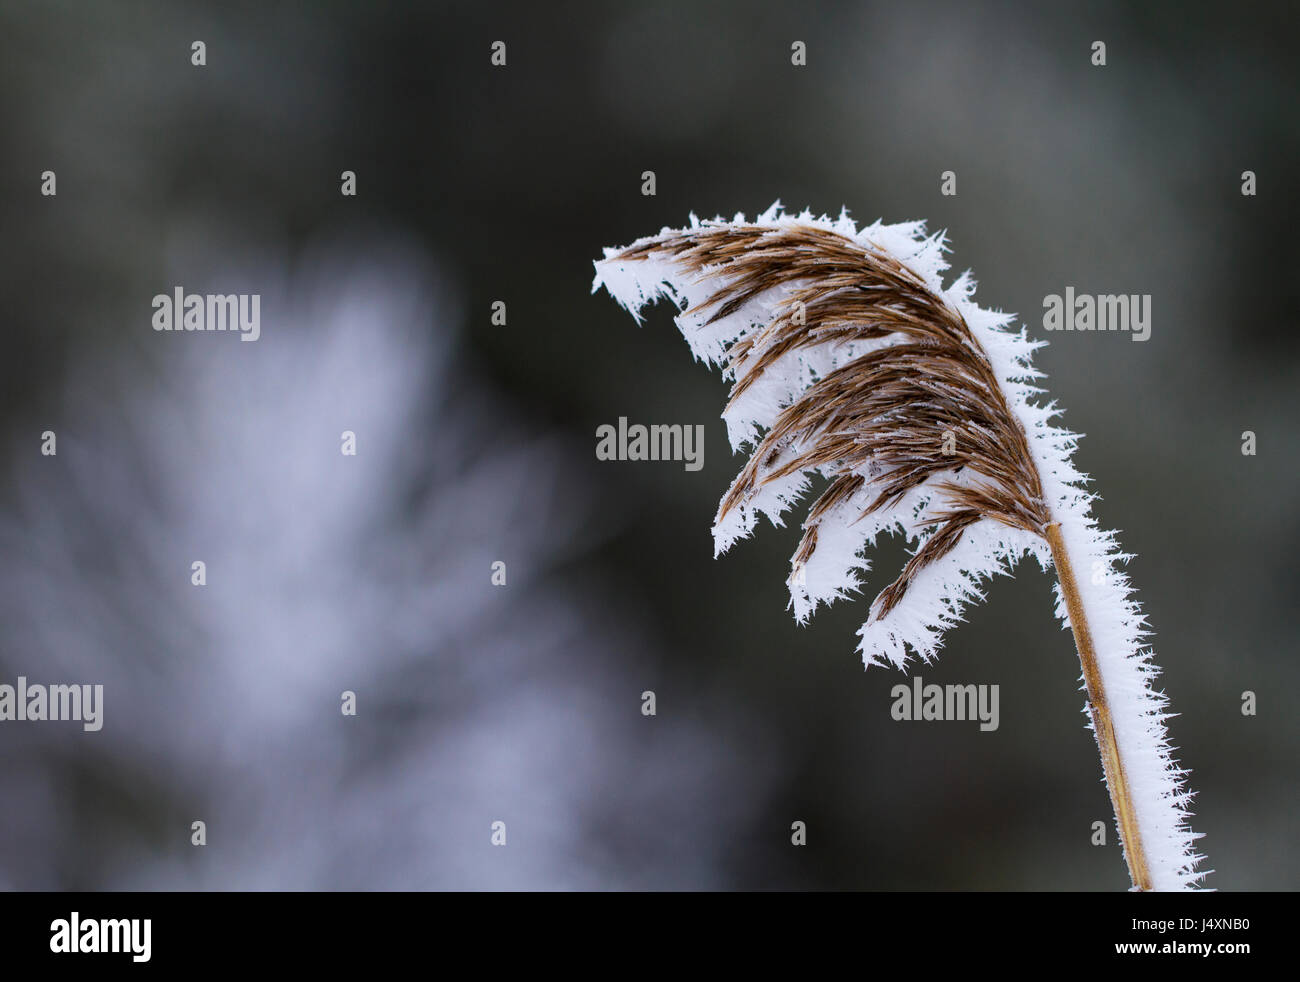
(475, 442)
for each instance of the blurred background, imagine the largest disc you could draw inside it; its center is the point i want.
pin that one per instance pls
(522, 703)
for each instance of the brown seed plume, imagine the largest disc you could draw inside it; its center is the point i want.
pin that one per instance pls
(879, 420)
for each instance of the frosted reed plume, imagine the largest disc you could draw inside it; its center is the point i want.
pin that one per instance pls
(849, 360)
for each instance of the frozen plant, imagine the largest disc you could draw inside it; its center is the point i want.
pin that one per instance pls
(850, 360)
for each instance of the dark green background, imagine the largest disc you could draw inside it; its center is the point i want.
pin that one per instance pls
(1124, 178)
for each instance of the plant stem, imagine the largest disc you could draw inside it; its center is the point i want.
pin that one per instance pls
(1111, 761)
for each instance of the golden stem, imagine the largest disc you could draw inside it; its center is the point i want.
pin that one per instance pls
(1111, 761)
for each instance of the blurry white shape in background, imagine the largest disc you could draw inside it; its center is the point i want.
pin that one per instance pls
(328, 573)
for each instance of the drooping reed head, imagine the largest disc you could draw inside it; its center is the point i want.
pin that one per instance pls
(926, 407)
